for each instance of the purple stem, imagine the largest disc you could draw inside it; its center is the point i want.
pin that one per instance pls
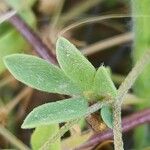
(41, 49)
(128, 123)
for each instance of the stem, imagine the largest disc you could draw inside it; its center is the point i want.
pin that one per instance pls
(68, 125)
(12, 139)
(128, 123)
(90, 20)
(117, 129)
(41, 49)
(125, 86)
(122, 91)
(132, 76)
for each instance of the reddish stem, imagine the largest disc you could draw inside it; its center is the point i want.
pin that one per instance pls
(32, 37)
(128, 123)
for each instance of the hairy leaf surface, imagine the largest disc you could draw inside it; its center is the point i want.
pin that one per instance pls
(40, 74)
(107, 116)
(74, 64)
(103, 84)
(56, 112)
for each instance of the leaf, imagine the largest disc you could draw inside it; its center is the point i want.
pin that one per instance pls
(10, 43)
(56, 112)
(103, 84)
(29, 18)
(42, 134)
(74, 64)
(107, 116)
(39, 74)
(10, 40)
(17, 4)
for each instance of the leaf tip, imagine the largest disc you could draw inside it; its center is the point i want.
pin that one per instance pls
(60, 42)
(7, 60)
(26, 124)
(107, 116)
(23, 126)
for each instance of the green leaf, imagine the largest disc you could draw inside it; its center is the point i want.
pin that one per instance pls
(10, 43)
(56, 112)
(10, 40)
(106, 114)
(42, 134)
(39, 74)
(103, 84)
(74, 64)
(17, 4)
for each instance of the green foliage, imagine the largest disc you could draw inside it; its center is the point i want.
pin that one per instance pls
(104, 87)
(74, 64)
(106, 113)
(42, 134)
(6, 49)
(10, 40)
(17, 4)
(103, 84)
(56, 112)
(141, 45)
(77, 78)
(40, 74)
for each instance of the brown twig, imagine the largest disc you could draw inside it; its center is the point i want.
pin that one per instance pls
(128, 123)
(107, 43)
(38, 45)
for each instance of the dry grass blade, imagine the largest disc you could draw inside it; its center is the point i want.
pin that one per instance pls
(91, 20)
(110, 42)
(17, 99)
(6, 80)
(12, 139)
